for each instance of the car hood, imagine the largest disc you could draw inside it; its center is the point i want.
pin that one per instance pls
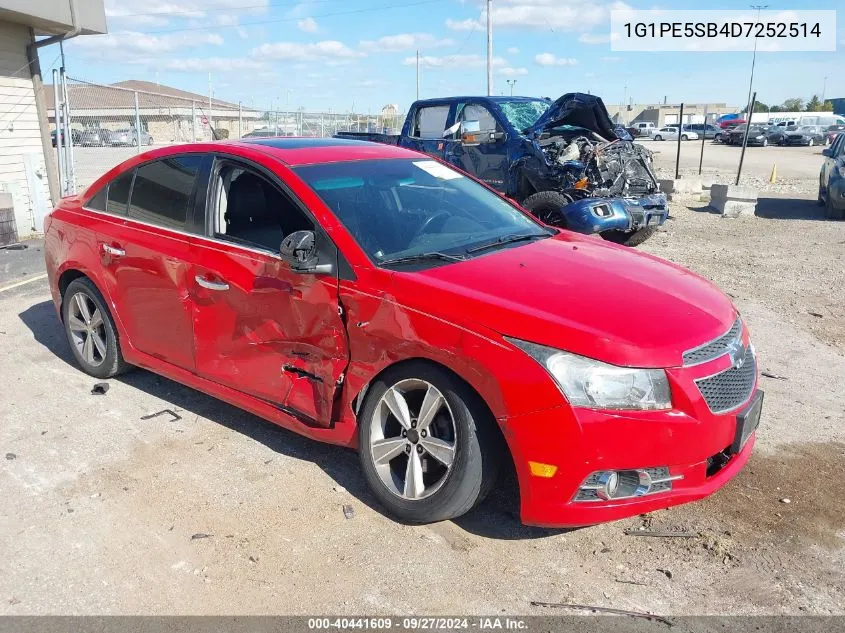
(578, 110)
(578, 294)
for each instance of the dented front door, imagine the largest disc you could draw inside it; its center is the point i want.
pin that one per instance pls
(267, 331)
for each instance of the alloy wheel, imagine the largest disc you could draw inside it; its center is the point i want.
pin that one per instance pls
(413, 439)
(87, 329)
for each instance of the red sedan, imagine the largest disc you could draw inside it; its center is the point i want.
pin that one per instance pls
(371, 297)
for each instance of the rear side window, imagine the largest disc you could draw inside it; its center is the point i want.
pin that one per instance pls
(163, 191)
(118, 193)
(431, 121)
(98, 200)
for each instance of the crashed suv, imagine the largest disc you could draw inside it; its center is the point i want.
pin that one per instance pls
(564, 161)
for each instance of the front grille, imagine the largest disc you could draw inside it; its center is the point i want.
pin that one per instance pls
(715, 348)
(731, 388)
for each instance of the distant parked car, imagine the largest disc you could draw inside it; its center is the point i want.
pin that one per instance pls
(74, 136)
(731, 123)
(709, 131)
(670, 133)
(832, 179)
(757, 136)
(646, 128)
(94, 137)
(128, 136)
(832, 132)
(808, 135)
(266, 132)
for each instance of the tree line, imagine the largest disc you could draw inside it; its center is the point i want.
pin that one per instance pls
(795, 104)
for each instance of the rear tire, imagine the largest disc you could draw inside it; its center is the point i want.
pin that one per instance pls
(90, 330)
(546, 206)
(427, 468)
(629, 239)
(684, 137)
(657, 137)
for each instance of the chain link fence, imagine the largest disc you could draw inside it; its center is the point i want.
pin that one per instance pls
(110, 123)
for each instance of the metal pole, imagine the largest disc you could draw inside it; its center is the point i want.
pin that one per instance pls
(824, 88)
(322, 129)
(57, 120)
(754, 58)
(745, 139)
(69, 171)
(418, 74)
(703, 136)
(680, 131)
(240, 120)
(137, 122)
(489, 48)
(194, 121)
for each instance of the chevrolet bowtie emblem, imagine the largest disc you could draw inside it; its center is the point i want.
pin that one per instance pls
(736, 352)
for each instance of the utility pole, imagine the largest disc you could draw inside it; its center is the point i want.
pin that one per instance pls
(210, 124)
(418, 74)
(489, 47)
(824, 88)
(759, 8)
(511, 83)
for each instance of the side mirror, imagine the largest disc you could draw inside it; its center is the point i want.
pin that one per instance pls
(826, 152)
(471, 133)
(299, 250)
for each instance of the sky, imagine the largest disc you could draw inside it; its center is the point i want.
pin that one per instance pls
(343, 54)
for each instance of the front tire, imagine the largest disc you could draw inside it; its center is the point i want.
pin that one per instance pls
(629, 239)
(546, 206)
(90, 330)
(810, 143)
(429, 448)
(684, 137)
(657, 137)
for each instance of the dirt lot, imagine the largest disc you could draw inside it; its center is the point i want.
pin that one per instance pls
(220, 512)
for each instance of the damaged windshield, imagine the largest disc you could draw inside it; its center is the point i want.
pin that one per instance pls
(524, 114)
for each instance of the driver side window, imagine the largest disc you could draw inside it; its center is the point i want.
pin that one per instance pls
(476, 112)
(250, 210)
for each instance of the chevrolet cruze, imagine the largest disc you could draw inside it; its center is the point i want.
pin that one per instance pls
(372, 297)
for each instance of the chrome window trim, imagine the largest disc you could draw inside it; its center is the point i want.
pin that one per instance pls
(258, 251)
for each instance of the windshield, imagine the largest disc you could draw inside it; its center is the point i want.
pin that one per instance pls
(396, 208)
(524, 114)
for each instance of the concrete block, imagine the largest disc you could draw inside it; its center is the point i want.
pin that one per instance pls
(690, 185)
(733, 201)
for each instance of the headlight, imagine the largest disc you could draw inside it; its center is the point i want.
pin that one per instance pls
(759, 137)
(590, 383)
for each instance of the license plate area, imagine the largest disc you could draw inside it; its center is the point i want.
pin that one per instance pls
(747, 422)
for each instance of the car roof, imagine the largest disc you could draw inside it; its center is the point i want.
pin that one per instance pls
(493, 98)
(293, 150)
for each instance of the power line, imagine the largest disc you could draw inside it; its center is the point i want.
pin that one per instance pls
(296, 19)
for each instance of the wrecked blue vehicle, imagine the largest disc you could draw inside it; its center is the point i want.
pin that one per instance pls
(564, 161)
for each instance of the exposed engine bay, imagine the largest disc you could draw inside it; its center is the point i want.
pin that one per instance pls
(586, 165)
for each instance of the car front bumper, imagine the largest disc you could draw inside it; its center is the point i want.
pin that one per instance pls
(596, 215)
(699, 448)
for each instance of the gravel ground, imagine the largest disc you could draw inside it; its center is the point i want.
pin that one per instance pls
(220, 512)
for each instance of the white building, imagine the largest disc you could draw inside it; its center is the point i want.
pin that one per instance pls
(28, 177)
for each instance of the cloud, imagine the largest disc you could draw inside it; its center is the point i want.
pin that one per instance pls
(308, 25)
(403, 42)
(211, 64)
(225, 19)
(134, 46)
(453, 61)
(159, 12)
(611, 59)
(555, 15)
(513, 50)
(507, 71)
(464, 25)
(330, 50)
(549, 59)
(594, 38)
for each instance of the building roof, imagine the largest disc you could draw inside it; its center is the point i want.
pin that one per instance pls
(121, 95)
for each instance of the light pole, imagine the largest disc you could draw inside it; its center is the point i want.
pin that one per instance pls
(490, 47)
(511, 83)
(824, 88)
(418, 74)
(759, 8)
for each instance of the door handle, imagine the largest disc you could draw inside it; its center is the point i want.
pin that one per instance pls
(211, 285)
(113, 251)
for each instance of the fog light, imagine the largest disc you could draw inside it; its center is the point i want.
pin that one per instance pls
(610, 485)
